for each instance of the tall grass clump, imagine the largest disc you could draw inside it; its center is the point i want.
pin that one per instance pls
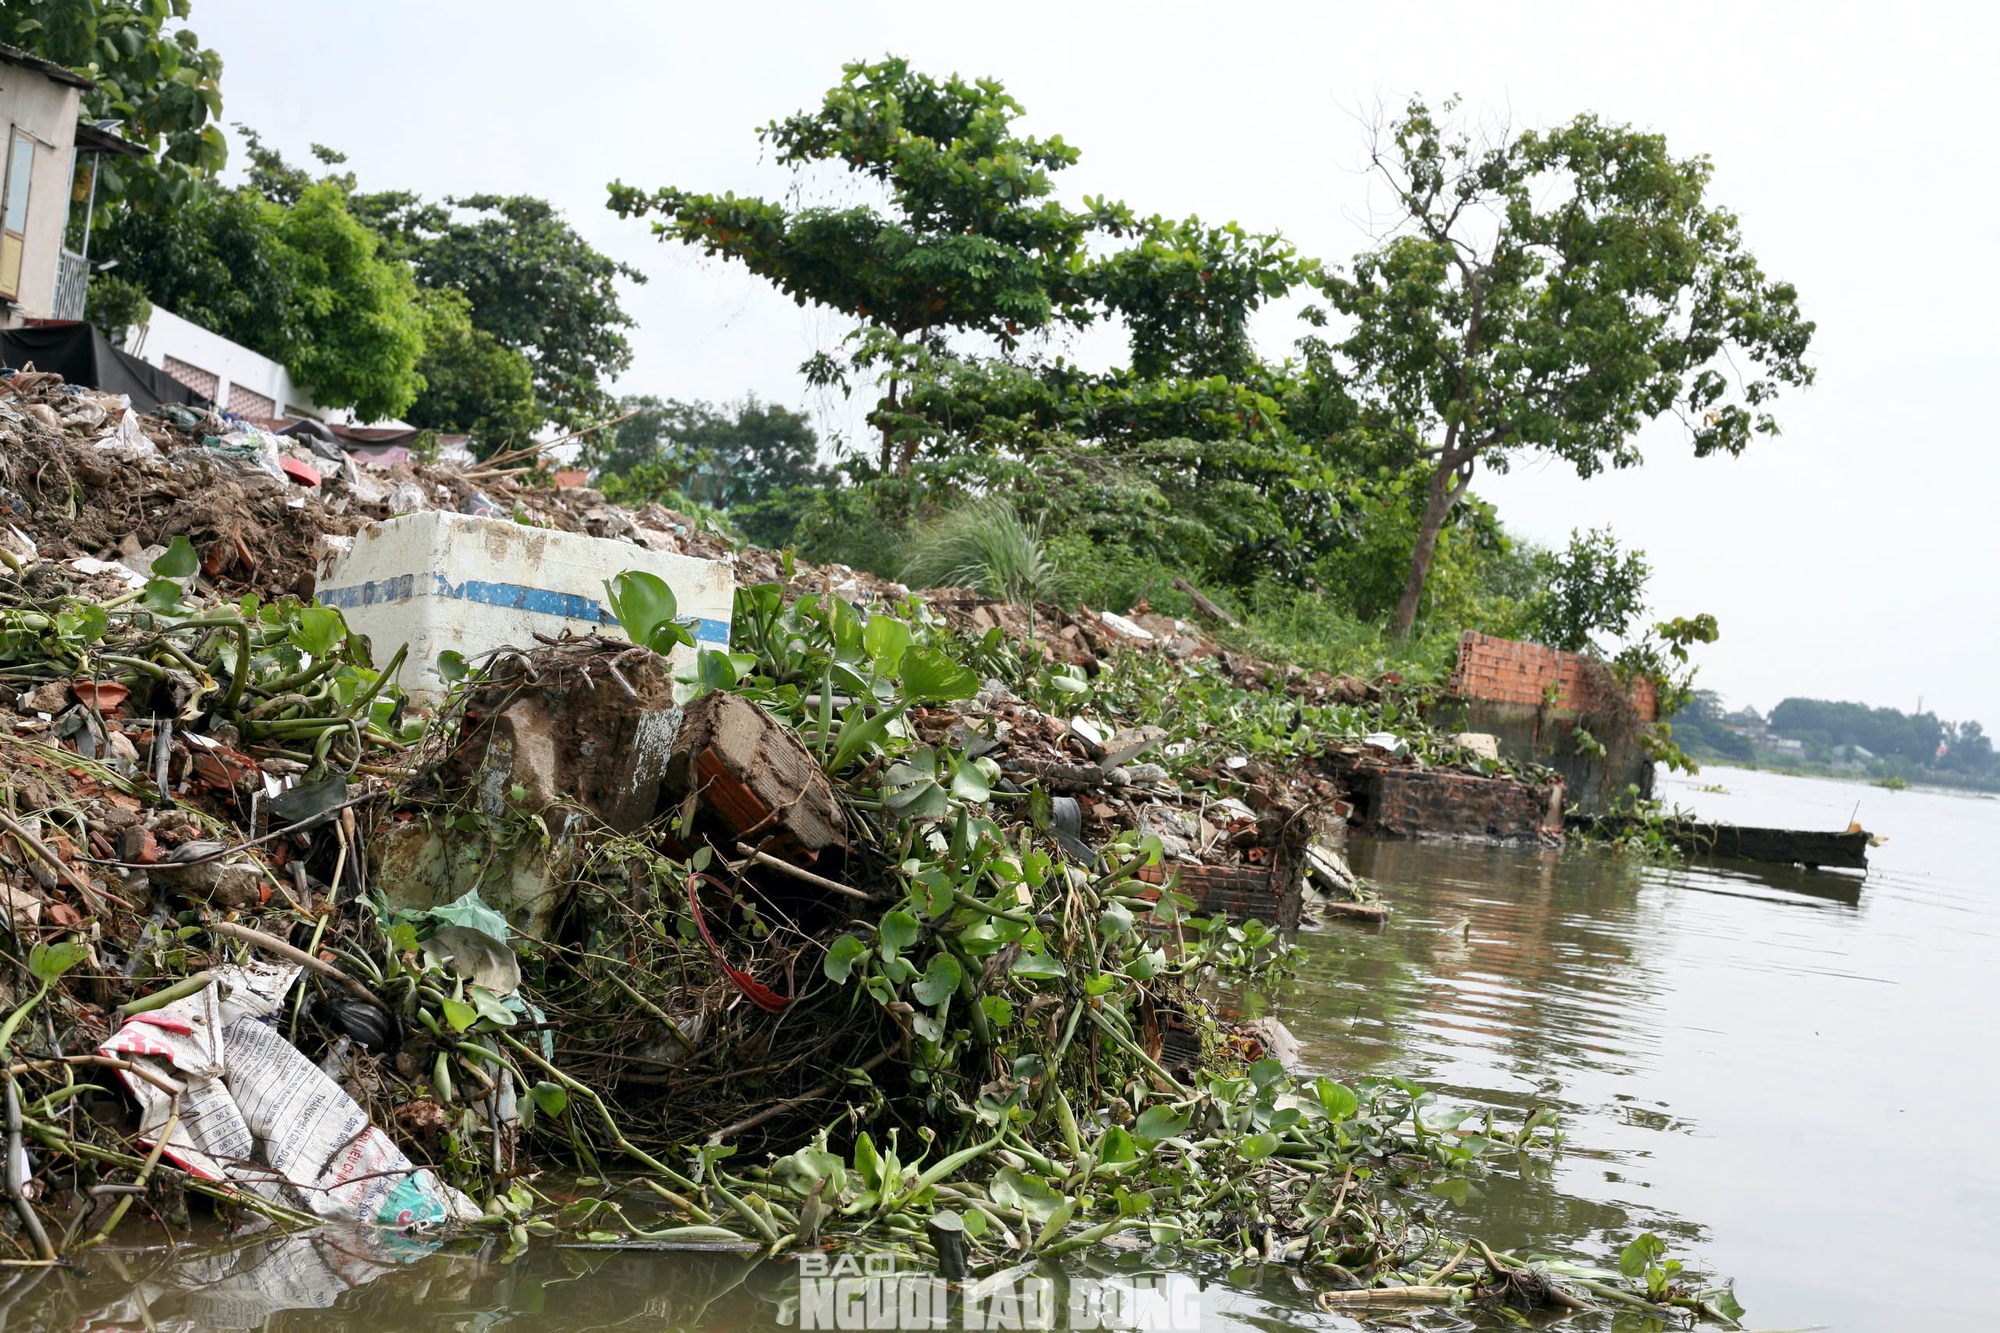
(983, 545)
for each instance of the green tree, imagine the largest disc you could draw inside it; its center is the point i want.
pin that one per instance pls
(1187, 290)
(155, 79)
(1552, 293)
(305, 285)
(531, 283)
(969, 240)
(1591, 587)
(736, 454)
(358, 331)
(472, 384)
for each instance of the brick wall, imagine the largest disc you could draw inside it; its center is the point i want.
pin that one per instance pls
(1506, 671)
(1405, 801)
(1271, 895)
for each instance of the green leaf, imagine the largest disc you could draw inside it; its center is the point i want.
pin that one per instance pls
(929, 675)
(1037, 965)
(1116, 922)
(459, 1014)
(1258, 1146)
(939, 982)
(845, 624)
(886, 640)
(714, 669)
(841, 958)
(490, 1008)
(1338, 1101)
(969, 783)
(938, 887)
(178, 560)
(318, 630)
(999, 1011)
(923, 799)
(92, 622)
(1634, 1258)
(551, 1097)
(642, 603)
(451, 666)
(858, 733)
(898, 931)
(867, 1162)
(1160, 1122)
(1013, 1188)
(1117, 1146)
(48, 962)
(161, 595)
(1264, 1073)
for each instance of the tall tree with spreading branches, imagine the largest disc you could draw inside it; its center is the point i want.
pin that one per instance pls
(969, 239)
(1551, 294)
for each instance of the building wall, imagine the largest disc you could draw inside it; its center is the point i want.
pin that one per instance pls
(192, 354)
(1402, 800)
(1506, 671)
(46, 109)
(1534, 699)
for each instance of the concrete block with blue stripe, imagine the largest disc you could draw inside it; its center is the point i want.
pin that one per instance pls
(441, 581)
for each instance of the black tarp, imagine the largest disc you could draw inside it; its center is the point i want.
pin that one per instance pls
(82, 355)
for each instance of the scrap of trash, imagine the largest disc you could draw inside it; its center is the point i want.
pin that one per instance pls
(898, 921)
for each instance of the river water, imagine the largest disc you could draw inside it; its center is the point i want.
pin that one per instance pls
(1787, 1076)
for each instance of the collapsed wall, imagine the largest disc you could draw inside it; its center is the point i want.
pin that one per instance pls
(1564, 711)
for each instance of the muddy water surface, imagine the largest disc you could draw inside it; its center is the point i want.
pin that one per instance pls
(1789, 1076)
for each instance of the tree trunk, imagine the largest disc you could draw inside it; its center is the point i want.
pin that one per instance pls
(888, 418)
(1448, 482)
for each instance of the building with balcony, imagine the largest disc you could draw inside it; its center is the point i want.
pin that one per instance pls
(41, 145)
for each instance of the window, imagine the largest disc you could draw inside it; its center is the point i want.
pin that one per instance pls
(14, 211)
(201, 381)
(251, 405)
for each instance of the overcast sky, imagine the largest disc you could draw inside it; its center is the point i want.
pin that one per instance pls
(1855, 557)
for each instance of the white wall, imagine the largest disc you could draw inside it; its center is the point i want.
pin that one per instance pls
(166, 334)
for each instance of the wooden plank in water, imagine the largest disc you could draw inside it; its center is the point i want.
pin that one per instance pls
(1846, 850)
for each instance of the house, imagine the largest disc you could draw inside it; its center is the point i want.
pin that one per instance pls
(226, 373)
(1746, 721)
(40, 278)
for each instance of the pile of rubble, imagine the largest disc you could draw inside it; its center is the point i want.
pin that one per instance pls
(278, 940)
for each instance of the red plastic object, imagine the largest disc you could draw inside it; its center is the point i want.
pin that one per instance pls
(754, 990)
(299, 472)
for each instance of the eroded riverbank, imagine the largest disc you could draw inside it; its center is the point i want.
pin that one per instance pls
(1735, 1058)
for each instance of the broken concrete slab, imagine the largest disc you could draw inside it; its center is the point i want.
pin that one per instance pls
(591, 722)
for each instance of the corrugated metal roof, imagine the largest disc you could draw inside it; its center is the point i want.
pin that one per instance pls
(14, 55)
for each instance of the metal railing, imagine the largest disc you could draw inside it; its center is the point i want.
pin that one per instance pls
(72, 286)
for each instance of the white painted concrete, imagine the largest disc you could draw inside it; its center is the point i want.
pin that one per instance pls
(449, 582)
